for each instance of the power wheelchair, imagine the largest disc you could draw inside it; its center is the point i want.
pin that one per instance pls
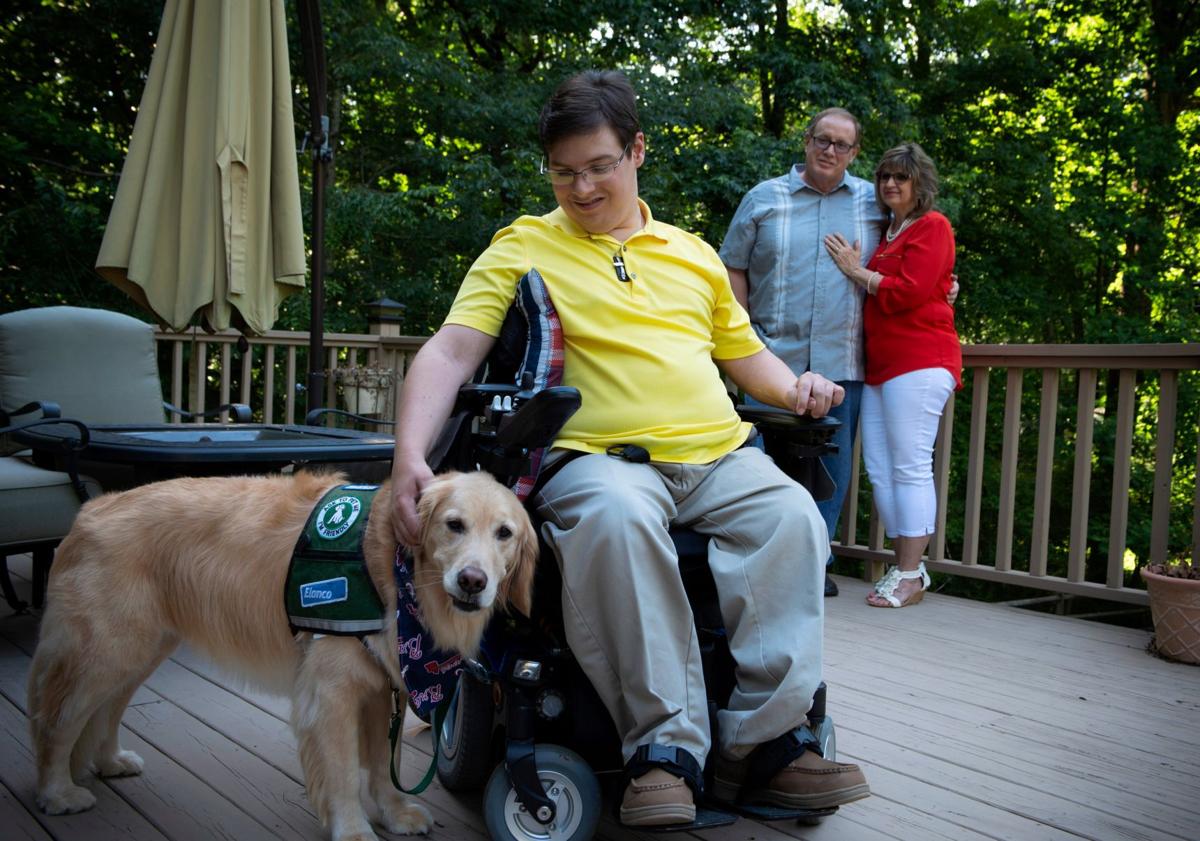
(524, 722)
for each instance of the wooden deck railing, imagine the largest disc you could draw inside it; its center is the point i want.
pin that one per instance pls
(1136, 412)
(271, 370)
(1086, 466)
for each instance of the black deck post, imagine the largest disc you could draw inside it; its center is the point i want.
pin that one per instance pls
(313, 43)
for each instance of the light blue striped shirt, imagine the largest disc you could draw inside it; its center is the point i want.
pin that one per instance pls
(804, 309)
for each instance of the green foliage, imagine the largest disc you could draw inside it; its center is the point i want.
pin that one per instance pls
(1067, 133)
(72, 75)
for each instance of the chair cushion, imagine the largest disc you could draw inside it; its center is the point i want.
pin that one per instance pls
(99, 366)
(38, 504)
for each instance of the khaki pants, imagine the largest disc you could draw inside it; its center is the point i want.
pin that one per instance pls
(627, 617)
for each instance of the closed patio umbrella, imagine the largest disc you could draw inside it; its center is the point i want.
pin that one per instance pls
(206, 220)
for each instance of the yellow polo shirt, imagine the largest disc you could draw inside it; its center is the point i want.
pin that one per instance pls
(640, 352)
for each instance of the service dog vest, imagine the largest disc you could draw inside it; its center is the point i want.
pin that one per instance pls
(329, 591)
(328, 588)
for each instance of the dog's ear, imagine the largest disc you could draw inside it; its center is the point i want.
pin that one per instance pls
(431, 499)
(516, 590)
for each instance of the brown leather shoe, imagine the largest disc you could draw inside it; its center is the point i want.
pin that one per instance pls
(807, 782)
(657, 798)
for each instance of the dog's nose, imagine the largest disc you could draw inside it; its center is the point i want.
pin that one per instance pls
(472, 580)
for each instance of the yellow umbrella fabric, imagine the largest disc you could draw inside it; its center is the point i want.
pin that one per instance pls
(206, 219)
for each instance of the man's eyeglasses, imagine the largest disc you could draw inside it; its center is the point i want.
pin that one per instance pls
(822, 142)
(898, 177)
(592, 174)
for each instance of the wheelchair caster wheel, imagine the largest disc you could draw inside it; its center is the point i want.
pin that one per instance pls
(464, 750)
(567, 780)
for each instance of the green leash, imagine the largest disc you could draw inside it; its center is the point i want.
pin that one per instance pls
(435, 720)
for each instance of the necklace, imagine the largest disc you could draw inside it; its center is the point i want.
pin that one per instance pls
(891, 236)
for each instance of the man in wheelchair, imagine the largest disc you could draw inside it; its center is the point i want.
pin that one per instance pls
(645, 311)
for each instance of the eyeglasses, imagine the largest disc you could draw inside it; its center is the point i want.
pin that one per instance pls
(591, 174)
(822, 142)
(898, 177)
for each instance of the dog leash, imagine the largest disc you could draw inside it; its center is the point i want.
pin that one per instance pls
(436, 719)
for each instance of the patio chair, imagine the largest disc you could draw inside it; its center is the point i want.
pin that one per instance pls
(95, 366)
(98, 366)
(38, 505)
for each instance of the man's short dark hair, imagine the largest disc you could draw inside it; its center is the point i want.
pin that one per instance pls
(588, 102)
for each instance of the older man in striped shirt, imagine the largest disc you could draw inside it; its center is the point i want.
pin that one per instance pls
(799, 302)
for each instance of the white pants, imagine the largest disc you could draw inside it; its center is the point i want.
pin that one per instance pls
(899, 426)
(627, 617)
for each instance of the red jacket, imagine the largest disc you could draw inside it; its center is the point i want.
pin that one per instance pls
(907, 322)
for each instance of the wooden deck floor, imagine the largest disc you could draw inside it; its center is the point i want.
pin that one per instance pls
(972, 721)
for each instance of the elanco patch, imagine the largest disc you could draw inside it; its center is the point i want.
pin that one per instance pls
(324, 592)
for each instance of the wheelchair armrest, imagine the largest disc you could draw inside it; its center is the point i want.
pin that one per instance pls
(238, 412)
(785, 420)
(477, 398)
(537, 420)
(498, 428)
(797, 442)
(805, 435)
(313, 417)
(522, 420)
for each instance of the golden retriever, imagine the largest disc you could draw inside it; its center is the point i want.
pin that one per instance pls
(204, 561)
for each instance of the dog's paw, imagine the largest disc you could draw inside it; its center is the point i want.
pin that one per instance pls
(123, 763)
(66, 801)
(406, 818)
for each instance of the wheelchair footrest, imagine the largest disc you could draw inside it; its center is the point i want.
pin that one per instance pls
(778, 813)
(706, 818)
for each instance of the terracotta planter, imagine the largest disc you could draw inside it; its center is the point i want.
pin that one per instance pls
(1175, 608)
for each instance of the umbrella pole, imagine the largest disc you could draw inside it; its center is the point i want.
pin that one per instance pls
(313, 43)
(316, 334)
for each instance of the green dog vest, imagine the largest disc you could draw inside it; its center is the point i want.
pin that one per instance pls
(328, 588)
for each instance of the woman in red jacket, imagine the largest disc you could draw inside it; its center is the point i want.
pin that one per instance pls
(914, 360)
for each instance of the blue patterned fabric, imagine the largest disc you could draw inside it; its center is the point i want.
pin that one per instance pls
(429, 673)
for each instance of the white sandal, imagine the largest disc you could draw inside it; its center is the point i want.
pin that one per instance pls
(885, 587)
